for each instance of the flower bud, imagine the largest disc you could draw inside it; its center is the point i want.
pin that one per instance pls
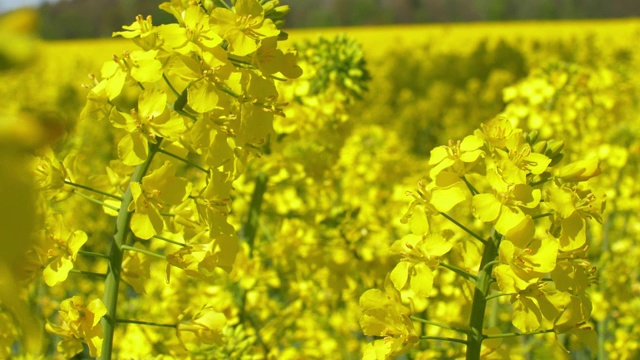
(581, 170)
(539, 147)
(554, 147)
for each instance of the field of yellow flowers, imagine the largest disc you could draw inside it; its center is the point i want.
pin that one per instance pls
(412, 192)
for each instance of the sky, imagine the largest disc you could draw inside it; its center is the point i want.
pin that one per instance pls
(6, 5)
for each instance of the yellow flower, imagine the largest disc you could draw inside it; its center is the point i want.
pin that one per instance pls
(244, 28)
(420, 255)
(384, 315)
(504, 206)
(157, 189)
(63, 246)
(572, 208)
(152, 119)
(80, 324)
(460, 156)
(204, 329)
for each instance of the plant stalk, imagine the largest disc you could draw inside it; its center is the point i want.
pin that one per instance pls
(483, 283)
(112, 281)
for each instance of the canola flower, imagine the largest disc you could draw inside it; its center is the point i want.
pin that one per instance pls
(525, 201)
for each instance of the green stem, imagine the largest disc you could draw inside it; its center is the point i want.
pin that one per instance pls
(169, 240)
(139, 322)
(506, 335)
(175, 92)
(471, 188)
(251, 226)
(241, 64)
(249, 234)
(96, 201)
(94, 254)
(444, 326)
(142, 251)
(540, 182)
(93, 190)
(494, 296)
(223, 3)
(602, 325)
(476, 236)
(442, 338)
(458, 271)
(112, 282)
(483, 283)
(491, 263)
(88, 273)
(184, 161)
(540, 216)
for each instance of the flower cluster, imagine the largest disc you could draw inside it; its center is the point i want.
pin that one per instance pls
(538, 212)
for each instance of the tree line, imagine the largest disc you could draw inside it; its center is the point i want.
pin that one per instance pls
(69, 19)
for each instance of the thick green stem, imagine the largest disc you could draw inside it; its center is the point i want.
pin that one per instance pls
(483, 283)
(602, 325)
(251, 226)
(112, 282)
(249, 234)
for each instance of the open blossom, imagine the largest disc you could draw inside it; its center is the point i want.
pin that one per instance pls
(244, 28)
(80, 323)
(384, 315)
(202, 329)
(62, 246)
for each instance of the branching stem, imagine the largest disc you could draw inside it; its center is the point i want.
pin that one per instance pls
(458, 271)
(96, 201)
(94, 254)
(444, 326)
(540, 216)
(476, 236)
(148, 323)
(186, 161)
(506, 335)
(494, 296)
(142, 251)
(93, 190)
(88, 273)
(442, 338)
(169, 240)
(471, 188)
